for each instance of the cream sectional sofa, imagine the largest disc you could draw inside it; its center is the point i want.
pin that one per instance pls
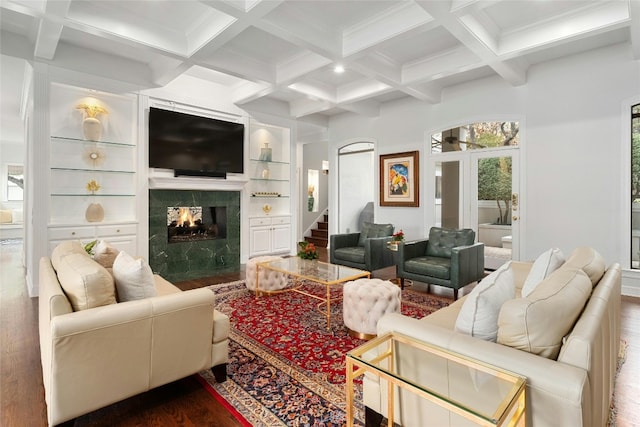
(573, 387)
(94, 357)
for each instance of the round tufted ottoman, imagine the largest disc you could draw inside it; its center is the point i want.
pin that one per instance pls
(269, 280)
(365, 301)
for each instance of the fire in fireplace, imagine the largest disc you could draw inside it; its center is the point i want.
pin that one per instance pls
(193, 223)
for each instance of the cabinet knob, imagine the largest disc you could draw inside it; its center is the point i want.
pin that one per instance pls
(118, 230)
(73, 233)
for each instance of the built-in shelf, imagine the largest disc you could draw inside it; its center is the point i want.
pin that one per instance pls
(89, 141)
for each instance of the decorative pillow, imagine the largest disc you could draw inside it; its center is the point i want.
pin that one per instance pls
(105, 254)
(478, 316)
(538, 322)
(134, 278)
(65, 248)
(86, 283)
(6, 216)
(548, 262)
(588, 260)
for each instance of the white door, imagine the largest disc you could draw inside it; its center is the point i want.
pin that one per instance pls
(495, 204)
(478, 189)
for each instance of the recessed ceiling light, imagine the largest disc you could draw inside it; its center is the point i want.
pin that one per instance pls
(338, 69)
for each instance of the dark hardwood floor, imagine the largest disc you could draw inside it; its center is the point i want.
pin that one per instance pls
(184, 402)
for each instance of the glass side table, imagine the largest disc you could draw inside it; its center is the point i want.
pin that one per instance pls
(454, 387)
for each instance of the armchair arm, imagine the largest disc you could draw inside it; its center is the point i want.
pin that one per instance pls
(376, 253)
(467, 264)
(412, 249)
(337, 241)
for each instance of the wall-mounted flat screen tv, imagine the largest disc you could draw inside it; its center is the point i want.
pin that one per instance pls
(195, 145)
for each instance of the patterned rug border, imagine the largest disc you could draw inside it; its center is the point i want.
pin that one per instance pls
(333, 394)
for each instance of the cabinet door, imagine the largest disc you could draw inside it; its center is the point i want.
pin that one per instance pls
(259, 240)
(281, 235)
(125, 243)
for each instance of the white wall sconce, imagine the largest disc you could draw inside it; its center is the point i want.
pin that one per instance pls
(325, 167)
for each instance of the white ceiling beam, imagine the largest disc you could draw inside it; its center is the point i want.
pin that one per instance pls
(251, 91)
(634, 14)
(378, 66)
(305, 106)
(427, 92)
(368, 108)
(579, 24)
(298, 66)
(49, 30)
(305, 37)
(242, 22)
(359, 90)
(113, 67)
(272, 107)
(315, 90)
(442, 65)
(401, 19)
(478, 42)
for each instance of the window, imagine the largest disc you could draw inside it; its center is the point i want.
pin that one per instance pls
(15, 182)
(476, 136)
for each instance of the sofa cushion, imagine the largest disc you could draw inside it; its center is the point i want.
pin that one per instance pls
(539, 322)
(370, 230)
(86, 283)
(429, 266)
(588, 260)
(548, 262)
(6, 216)
(478, 316)
(65, 248)
(105, 254)
(442, 240)
(353, 254)
(134, 278)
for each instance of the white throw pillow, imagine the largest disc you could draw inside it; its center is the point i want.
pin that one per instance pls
(105, 254)
(548, 262)
(134, 278)
(478, 316)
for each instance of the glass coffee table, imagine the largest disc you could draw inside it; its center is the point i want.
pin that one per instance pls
(455, 389)
(330, 275)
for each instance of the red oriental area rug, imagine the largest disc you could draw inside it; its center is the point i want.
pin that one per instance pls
(285, 367)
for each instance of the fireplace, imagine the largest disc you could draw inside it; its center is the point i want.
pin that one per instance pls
(194, 223)
(202, 245)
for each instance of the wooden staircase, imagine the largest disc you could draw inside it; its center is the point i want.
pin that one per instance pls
(320, 236)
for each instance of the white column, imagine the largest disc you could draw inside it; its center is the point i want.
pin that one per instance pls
(37, 184)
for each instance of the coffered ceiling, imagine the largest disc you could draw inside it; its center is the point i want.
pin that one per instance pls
(279, 56)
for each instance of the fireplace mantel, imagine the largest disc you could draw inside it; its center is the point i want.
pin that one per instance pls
(169, 182)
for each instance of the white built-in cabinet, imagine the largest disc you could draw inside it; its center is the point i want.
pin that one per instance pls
(269, 189)
(109, 159)
(269, 235)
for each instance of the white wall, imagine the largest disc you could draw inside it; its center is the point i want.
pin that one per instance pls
(571, 141)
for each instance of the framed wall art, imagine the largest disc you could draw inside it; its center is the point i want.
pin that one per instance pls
(399, 179)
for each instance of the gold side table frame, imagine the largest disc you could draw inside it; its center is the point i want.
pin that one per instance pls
(380, 357)
(330, 275)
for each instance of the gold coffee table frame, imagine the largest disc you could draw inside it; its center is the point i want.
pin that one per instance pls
(509, 409)
(316, 271)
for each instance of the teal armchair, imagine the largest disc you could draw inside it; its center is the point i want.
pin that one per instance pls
(448, 258)
(366, 250)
